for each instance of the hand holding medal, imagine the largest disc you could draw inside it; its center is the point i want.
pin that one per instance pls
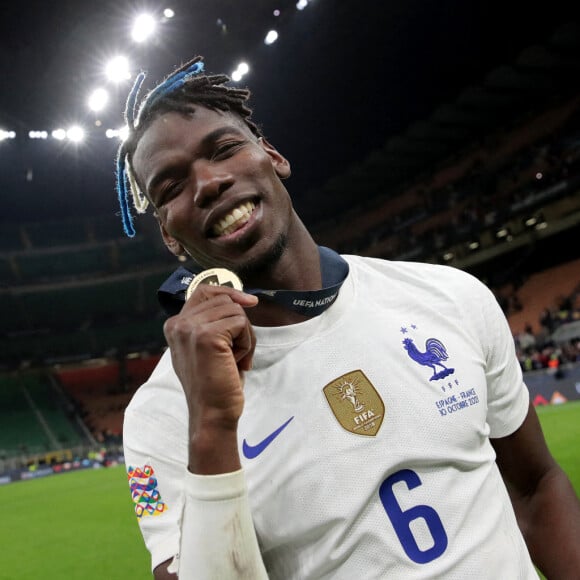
(212, 344)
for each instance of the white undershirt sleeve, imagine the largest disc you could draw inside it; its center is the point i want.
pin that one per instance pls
(218, 539)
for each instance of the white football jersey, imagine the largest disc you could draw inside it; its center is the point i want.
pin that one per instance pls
(364, 437)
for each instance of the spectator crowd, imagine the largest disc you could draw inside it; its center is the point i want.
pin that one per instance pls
(539, 350)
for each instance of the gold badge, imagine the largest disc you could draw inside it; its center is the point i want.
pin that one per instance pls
(214, 277)
(355, 403)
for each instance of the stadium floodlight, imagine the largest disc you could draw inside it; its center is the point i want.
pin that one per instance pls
(75, 134)
(143, 28)
(121, 133)
(37, 135)
(98, 99)
(242, 70)
(301, 4)
(271, 37)
(531, 221)
(117, 69)
(168, 13)
(59, 134)
(6, 135)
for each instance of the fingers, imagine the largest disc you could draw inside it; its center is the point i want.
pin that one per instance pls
(245, 361)
(205, 292)
(218, 318)
(214, 318)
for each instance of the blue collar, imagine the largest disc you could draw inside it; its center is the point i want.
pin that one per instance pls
(311, 303)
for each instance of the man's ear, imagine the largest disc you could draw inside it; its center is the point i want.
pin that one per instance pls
(279, 162)
(172, 244)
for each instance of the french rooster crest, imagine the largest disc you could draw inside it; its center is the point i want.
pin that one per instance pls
(435, 352)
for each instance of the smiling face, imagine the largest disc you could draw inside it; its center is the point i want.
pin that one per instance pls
(216, 188)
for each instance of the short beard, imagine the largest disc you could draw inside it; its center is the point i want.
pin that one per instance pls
(263, 265)
(255, 269)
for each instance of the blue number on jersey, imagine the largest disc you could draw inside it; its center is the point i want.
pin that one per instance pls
(401, 520)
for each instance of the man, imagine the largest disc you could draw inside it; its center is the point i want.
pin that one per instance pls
(344, 416)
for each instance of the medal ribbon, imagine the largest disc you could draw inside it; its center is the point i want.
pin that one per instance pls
(310, 303)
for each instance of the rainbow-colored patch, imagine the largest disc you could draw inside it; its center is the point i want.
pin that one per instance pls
(144, 492)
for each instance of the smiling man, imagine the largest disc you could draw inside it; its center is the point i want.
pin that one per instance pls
(303, 428)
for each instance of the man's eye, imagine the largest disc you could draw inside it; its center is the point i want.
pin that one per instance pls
(225, 149)
(167, 193)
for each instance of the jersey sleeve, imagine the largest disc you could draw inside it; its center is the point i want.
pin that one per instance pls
(155, 470)
(507, 395)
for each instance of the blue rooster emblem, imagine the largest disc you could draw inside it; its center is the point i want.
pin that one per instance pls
(435, 352)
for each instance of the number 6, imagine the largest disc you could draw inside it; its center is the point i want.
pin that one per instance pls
(401, 520)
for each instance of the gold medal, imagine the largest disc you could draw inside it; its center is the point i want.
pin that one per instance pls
(215, 277)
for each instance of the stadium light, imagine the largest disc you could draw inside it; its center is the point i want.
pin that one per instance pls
(271, 37)
(301, 4)
(168, 13)
(59, 134)
(531, 221)
(75, 134)
(6, 135)
(143, 28)
(242, 70)
(37, 135)
(117, 69)
(121, 133)
(98, 99)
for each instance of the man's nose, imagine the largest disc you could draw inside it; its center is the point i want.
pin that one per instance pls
(210, 182)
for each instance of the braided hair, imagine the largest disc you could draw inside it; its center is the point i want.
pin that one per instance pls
(185, 87)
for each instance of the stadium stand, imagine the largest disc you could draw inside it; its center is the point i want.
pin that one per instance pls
(543, 290)
(100, 392)
(21, 432)
(52, 411)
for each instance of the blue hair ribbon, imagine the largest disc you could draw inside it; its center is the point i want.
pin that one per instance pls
(122, 194)
(175, 82)
(123, 185)
(132, 98)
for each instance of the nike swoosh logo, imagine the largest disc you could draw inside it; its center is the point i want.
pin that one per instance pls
(251, 451)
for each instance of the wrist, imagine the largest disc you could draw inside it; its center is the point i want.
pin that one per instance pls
(214, 450)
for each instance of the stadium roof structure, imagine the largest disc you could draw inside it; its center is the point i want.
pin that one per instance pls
(411, 81)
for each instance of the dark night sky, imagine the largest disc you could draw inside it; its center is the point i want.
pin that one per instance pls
(343, 77)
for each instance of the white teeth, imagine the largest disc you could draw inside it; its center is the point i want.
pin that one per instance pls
(235, 219)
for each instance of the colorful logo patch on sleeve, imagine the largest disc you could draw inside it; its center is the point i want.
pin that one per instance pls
(144, 492)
